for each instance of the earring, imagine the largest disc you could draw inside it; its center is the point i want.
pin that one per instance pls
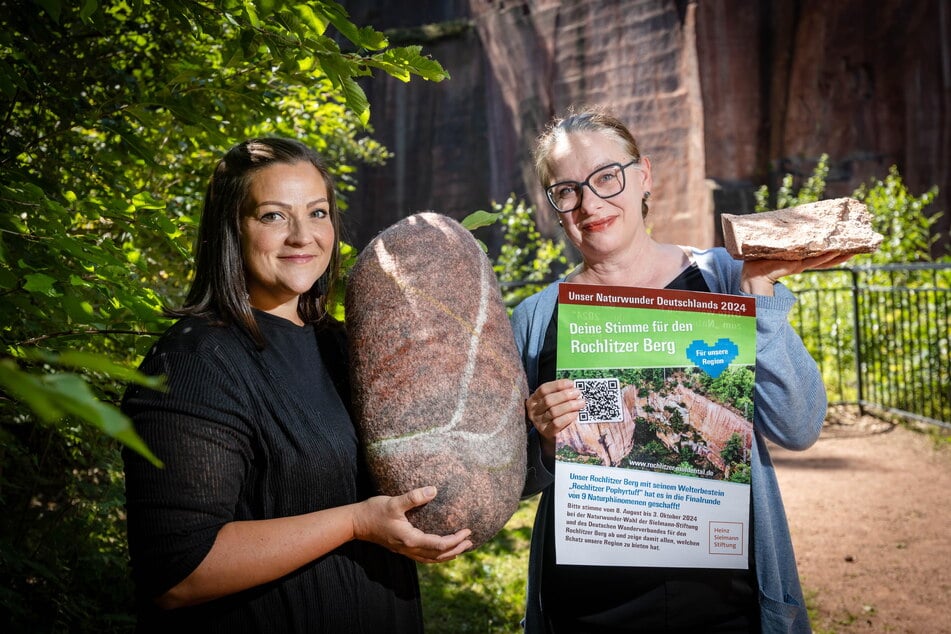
(561, 224)
(647, 195)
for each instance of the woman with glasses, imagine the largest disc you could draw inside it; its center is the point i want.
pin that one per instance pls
(599, 184)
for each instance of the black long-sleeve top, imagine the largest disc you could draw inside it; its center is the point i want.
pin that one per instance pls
(247, 434)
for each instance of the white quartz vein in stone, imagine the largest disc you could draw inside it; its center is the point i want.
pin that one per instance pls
(438, 434)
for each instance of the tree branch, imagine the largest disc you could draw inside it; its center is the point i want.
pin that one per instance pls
(91, 331)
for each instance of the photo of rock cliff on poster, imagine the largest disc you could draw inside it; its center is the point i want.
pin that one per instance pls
(656, 472)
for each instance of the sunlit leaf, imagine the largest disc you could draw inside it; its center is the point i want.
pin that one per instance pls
(250, 11)
(410, 60)
(365, 37)
(73, 396)
(146, 200)
(40, 284)
(97, 363)
(79, 311)
(310, 18)
(29, 389)
(480, 218)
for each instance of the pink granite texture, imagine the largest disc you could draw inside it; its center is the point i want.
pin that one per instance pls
(839, 225)
(439, 387)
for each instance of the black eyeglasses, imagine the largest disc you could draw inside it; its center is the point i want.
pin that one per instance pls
(605, 182)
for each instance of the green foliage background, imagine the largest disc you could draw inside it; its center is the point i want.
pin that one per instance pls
(114, 113)
(826, 313)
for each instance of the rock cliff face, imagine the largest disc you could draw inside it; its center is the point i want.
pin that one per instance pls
(715, 423)
(869, 83)
(723, 95)
(710, 424)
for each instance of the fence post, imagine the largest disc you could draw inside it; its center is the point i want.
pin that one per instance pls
(857, 339)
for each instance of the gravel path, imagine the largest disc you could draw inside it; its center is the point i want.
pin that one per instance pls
(869, 507)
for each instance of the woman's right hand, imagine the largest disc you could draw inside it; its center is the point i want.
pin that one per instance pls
(551, 408)
(382, 520)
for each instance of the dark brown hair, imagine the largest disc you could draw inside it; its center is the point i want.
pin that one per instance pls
(219, 290)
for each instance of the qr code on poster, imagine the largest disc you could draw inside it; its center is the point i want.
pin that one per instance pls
(602, 399)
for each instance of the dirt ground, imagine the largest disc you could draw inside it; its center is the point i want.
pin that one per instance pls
(869, 508)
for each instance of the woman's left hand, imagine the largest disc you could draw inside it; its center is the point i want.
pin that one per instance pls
(382, 520)
(758, 276)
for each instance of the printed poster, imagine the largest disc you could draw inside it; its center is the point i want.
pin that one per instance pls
(656, 472)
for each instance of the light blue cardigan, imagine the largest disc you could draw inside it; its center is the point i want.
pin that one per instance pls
(790, 406)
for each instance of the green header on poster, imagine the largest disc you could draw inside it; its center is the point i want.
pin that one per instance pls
(675, 331)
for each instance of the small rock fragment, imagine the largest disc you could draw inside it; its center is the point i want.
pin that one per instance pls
(839, 225)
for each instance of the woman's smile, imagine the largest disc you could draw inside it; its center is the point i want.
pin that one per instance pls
(297, 258)
(598, 225)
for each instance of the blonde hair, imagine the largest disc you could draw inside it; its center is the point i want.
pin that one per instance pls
(585, 119)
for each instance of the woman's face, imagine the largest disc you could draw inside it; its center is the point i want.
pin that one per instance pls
(287, 236)
(600, 227)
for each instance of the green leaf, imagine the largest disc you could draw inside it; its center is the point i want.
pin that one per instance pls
(131, 140)
(75, 280)
(310, 18)
(480, 218)
(80, 312)
(7, 278)
(366, 37)
(96, 363)
(53, 396)
(410, 60)
(87, 254)
(145, 200)
(267, 7)
(40, 284)
(340, 73)
(89, 8)
(52, 7)
(357, 100)
(395, 70)
(161, 222)
(28, 389)
(249, 43)
(233, 54)
(73, 396)
(251, 13)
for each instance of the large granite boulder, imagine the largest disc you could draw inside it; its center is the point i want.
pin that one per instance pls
(439, 387)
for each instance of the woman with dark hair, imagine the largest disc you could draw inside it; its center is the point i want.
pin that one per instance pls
(599, 184)
(262, 518)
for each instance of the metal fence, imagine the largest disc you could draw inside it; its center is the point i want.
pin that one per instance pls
(881, 336)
